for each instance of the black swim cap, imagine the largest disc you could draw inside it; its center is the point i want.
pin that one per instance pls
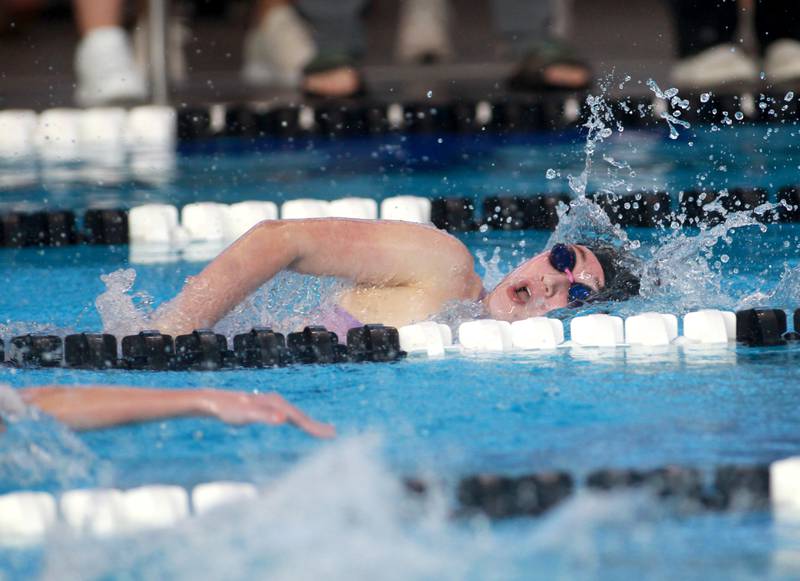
(622, 282)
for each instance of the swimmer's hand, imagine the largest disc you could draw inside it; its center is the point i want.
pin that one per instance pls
(102, 406)
(269, 408)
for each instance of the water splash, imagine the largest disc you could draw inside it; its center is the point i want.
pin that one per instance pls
(339, 514)
(681, 271)
(493, 273)
(676, 104)
(785, 292)
(38, 452)
(121, 316)
(287, 303)
(342, 514)
(598, 129)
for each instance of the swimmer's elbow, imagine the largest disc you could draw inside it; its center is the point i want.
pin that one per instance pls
(279, 235)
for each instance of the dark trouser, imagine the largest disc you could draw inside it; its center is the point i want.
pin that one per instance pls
(336, 25)
(338, 28)
(701, 24)
(522, 23)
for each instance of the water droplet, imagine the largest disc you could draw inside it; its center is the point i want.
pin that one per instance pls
(704, 97)
(430, 94)
(789, 96)
(550, 174)
(762, 75)
(739, 115)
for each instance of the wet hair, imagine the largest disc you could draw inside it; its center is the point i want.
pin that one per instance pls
(621, 282)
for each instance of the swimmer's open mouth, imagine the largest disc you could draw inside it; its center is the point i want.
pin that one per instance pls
(520, 293)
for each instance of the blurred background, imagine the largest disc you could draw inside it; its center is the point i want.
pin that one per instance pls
(206, 49)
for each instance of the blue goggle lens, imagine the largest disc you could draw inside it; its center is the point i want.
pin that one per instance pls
(579, 292)
(562, 257)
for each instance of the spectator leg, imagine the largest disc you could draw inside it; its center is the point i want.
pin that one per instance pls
(522, 23)
(336, 24)
(545, 62)
(90, 14)
(339, 37)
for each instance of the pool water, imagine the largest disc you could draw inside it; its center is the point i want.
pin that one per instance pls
(337, 509)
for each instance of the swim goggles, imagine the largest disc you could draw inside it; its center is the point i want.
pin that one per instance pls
(563, 259)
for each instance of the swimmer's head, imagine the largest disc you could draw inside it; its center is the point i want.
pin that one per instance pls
(537, 286)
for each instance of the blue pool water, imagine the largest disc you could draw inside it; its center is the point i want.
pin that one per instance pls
(337, 510)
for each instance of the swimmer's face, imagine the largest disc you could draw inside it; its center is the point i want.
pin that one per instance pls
(536, 287)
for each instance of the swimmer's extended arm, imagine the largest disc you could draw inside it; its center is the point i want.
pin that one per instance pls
(101, 406)
(368, 252)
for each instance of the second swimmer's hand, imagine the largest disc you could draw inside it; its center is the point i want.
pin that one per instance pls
(268, 408)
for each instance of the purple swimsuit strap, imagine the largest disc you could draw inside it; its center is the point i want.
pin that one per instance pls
(336, 319)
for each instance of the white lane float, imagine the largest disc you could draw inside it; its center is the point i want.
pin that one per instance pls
(205, 221)
(537, 333)
(304, 208)
(362, 208)
(101, 131)
(151, 127)
(710, 326)
(92, 511)
(25, 517)
(651, 329)
(485, 335)
(784, 488)
(406, 209)
(153, 224)
(104, 512)
(429, 337)
(17, 133)
(213, 495)
(597, 330)
(244, 215)
(57, 135)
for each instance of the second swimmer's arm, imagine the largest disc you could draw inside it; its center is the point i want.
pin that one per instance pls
(101, 406)
(367, 252)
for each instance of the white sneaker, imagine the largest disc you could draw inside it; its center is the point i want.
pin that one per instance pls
(782, 62)
(422, 33)
(718, 65)
(106, 70)
(276, 51)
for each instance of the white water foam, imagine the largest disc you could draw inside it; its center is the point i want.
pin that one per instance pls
(341, 514)
(120, 314)
(37, 451)
(286, 303)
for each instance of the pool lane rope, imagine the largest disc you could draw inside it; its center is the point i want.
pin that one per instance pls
(200, 230)
(65, 134)
(26, 517)
(205, 350)
(143, 133)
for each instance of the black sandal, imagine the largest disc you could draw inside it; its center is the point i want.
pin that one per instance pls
(327, 63)
(530, 73)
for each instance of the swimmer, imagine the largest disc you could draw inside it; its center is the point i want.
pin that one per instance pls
(400, 272)
(101, 406)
